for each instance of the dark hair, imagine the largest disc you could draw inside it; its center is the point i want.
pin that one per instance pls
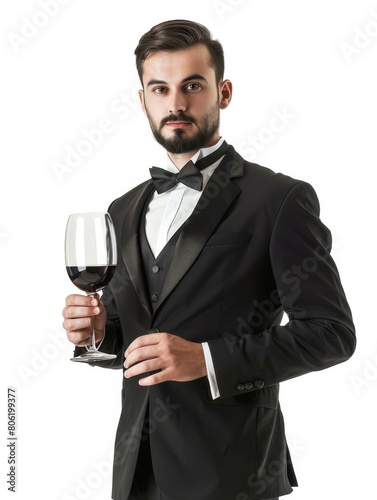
(177, 35)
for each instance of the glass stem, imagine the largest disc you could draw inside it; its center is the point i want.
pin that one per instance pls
(92, 339)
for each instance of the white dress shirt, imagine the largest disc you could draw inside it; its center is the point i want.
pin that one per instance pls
(165, 215)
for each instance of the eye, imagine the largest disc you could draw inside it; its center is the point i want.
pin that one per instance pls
(193, 87)
(159, 90)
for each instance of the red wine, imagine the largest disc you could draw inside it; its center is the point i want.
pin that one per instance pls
(90, 279)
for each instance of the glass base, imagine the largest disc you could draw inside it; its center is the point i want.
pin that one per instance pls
(93, 357)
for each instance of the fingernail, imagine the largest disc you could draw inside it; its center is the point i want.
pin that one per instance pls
(94, 302)
(96, 310)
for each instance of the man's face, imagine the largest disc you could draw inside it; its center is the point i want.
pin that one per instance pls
(182, 100)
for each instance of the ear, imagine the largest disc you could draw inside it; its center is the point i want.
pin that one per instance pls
(141, 97)
(225, 93)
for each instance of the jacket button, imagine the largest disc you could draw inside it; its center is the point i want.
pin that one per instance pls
(154, 298)
(259, 384)
(249, 386)
(154, 330)
(240, 387)
(155, 269)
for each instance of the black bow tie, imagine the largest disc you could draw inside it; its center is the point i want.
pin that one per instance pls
(189, 174)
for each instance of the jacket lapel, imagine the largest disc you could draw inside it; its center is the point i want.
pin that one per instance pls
(218, 195)
(130, 242)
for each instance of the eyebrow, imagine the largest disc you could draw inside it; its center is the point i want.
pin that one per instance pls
(195, 76)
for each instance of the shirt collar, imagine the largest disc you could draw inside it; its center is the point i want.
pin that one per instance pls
(197, 156)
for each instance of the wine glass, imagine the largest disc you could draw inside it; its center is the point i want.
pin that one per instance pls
(90, 259)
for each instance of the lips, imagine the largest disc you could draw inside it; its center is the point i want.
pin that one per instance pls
(177, 124)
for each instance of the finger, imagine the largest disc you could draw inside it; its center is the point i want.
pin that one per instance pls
(81, 300)
(143, 341)
(74, 325)
(144, 367)
(155, 378)
(141, 354)
(80, 312)
(79, 339)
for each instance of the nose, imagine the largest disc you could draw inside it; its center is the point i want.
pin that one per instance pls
(178, 102)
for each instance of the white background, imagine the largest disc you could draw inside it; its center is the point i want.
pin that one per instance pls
(64, 72)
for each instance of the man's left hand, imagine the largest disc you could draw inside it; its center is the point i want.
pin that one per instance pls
(171, 357)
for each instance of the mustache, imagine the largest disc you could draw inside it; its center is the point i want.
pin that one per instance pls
(181, 117)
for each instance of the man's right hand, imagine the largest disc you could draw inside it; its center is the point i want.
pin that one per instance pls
(81, 314)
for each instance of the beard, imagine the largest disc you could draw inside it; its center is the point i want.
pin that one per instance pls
(179, 143)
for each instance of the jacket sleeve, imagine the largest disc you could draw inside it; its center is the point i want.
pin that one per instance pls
(320, 332)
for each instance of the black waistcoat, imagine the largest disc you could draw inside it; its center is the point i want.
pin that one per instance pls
(155, 269)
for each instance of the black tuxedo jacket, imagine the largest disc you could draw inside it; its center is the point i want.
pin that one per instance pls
(253, 248)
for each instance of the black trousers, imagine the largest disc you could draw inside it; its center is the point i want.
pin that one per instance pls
(144, 485)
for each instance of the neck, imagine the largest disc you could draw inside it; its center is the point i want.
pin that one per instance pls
(180, 160)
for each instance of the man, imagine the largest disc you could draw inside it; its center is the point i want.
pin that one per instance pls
(203, 277)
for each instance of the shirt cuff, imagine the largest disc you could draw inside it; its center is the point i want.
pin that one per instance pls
(210, 371)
